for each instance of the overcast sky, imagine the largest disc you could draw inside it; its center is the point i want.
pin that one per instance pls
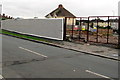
(40, 8)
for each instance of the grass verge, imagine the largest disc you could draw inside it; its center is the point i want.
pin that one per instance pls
(23, 36)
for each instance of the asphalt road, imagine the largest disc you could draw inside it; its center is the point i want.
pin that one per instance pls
(26, 59)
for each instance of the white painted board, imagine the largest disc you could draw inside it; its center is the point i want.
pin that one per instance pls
(48, 28)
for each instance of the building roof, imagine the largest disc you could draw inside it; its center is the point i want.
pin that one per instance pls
(60, 12)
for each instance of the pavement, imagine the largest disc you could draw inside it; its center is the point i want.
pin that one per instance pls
(96, 50)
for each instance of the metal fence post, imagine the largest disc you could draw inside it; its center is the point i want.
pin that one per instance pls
(64, 31)
(72, 27)
(108, 30)
(80, 29)
(97, 29)
(88, 30)
(119, 32)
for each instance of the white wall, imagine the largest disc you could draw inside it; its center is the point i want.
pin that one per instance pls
(119, 8)
(48, 28)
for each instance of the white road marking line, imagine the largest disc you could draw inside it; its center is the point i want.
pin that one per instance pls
(98, 74)
(33, 52)
(1, 77)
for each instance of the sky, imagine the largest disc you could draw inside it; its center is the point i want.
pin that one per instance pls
(40, 8)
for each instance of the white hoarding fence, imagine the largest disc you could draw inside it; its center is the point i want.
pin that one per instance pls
(48, 28)
(119, 8)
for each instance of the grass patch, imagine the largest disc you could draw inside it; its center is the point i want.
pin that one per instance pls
(23, 36)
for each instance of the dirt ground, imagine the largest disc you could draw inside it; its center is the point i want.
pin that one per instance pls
(112, 39)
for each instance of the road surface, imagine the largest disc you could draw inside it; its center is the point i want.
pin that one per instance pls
(26, 59)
